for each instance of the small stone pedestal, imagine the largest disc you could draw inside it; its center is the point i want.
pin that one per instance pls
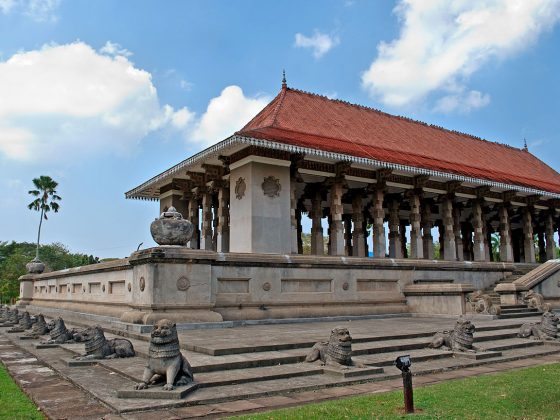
(156, 392)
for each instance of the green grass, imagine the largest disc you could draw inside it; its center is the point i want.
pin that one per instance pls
(14, 404)
(532, 393)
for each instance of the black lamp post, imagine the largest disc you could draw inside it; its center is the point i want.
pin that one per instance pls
(403, 363)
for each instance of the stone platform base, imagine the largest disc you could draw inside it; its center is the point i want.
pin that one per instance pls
(478, 355)
(156, 392)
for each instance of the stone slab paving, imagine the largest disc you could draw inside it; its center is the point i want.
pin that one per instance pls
(257, 377)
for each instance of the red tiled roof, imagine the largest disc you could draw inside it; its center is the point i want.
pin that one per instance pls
(313, 121)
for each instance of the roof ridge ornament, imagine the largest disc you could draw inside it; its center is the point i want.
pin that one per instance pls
(284, 84)
(525, 148)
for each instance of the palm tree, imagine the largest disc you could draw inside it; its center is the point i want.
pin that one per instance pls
(45, 191)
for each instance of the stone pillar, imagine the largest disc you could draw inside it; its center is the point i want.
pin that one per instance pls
(478, 247)
(488, 242)
(427, 238)
(293, 218)
(347, 222)
(378, 215)
(395, 248)
(336, 235)
(299, 230)
(542, 247)
(207, 219)
(194, 219)
(358, 242)
(506, 251)
(416, 248)
(466, 233)
(215, 221)
(457, 233)
(402, 232)
(449, 247)
(528, 240)
(223, 220)
(549, 232)
(316, 213)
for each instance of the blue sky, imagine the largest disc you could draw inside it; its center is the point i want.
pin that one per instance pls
(103, 95)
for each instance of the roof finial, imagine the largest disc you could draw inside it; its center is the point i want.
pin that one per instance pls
(284, 84)
(525, 144)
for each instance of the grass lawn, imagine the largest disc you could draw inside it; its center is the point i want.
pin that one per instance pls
(532, 393)
(14, 404)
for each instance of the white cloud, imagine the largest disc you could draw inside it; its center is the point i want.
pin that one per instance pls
(320, 43)
(226, 114)
(114, 49)
(65, 101)
(443, 42)
(38, 10)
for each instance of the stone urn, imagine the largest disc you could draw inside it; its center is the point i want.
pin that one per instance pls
(35, 266)
(171, 228)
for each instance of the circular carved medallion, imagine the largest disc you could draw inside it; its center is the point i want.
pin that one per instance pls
(103, 288)
(129, 287)
(266, 286)
(183, 284)
(68, 289)
(56, 289)
(240, 188)
(271, 187)
(345, 286)
(142, 284)
(83, 289)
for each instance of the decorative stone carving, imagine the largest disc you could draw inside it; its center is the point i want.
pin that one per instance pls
(40, 327)
(460, 339)
(336, 352)
(345, 286)
(481, 303)
(35, 266)
(142, 284)
(165, 359)
(266, 286)
(24, 323)
(271, 186)
(171, 228)
(98, 347)
(129, 287)
(545, 330)
(535, 300)
(183, 284)
(59, 333)
(12, 318)
(103, 288)
(240, 188)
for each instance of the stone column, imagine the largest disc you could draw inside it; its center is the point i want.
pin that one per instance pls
(528, 240)
(488, 242)
(223, 220)
(478, 246)
(427, 238)
(449, 247)
(549, 232)
(336, 235)
(299, 230)
(358, 242)
(466, 233)
(215, 221)
(416, 248)
(506, 251)
(378, 215)
(457, 233)
(293, 218)
(542, 246)
(347, 223)
(207, 219)
(316, 213)
(402, 232)
(194, 219)
(395, 248)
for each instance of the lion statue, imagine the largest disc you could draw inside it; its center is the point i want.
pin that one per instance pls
(12, 318)
(481, 303)
(460, 339)
(98, 347)
(335, 352)
(545, 330)
(59, 333)
(165, 359)
(535, 300)
(40, 327)
(24, 324)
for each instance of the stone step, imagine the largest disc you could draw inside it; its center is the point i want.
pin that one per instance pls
(520, 315)
(519, 310)
(510, 344)
(519, 306)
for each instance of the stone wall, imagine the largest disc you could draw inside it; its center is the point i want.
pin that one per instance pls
(204, 286)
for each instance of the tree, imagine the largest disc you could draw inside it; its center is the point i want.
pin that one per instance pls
(45, 201)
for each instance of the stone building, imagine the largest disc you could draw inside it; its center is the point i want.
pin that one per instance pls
(305, 155)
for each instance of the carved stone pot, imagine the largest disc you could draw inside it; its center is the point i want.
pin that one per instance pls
(35, 266)
(171, 228)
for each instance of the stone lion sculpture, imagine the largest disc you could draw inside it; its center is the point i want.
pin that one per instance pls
(545, 330)
(40, 327)
(335, 352)
(166, 362)
(535, 300)
(98, 347)
(12, 318)
(59, 333)
(481, 303)
(24, 323)
(460, 339)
